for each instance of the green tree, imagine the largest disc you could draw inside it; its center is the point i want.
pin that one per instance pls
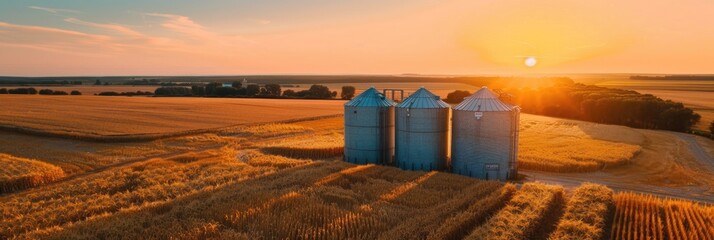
(348, 92)
(211, 88)
(252, 90)
(273, 89)
(289, 93)
(457, 96)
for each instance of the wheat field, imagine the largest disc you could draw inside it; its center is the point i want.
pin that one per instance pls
(283, 180)
(91, 115)
(586, 213)
(639, 216)
(21, 173)
(548, 144)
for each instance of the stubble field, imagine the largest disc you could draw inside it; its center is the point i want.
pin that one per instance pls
(106, 116)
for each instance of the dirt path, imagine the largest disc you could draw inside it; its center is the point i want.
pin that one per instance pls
(672, 165)
(697, 150)
(571, 181)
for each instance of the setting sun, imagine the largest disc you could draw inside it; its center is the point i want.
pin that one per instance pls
(362, 119)
(530, 61)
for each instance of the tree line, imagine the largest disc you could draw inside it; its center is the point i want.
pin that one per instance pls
(237, 89)
(601, 105)
(33, 91)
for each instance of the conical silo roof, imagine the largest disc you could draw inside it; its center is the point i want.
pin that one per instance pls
(370, 98)
(484, 100)
(422, 98)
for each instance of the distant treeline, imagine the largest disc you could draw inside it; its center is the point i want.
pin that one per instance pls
(673, 77)
(137, 93)
(606, 105)
(478, 81)
(40, 82)
(253, 90)
(599, 104)
(33, 91)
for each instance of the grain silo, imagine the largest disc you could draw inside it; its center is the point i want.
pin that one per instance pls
(369, 128)
(422, 132)
(485, 137)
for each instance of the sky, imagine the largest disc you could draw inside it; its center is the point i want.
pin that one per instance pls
(221, 37)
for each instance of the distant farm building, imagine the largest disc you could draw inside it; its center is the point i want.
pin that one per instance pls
(485, 137)
(422, 132)
(369, 128)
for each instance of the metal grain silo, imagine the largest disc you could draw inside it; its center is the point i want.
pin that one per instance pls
(422, 132)
(485, 137)
(369, 128)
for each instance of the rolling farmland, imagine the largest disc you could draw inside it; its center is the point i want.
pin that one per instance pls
(285, 179)
(20, 173)
(88, 115)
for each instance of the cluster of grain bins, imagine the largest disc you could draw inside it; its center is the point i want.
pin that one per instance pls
(414, 135)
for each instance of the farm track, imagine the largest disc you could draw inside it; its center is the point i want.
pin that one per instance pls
(573, 181)
(142, 137)
(697, 150)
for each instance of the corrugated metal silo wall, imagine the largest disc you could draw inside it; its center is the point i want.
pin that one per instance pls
(369, 135)
(422, 138)
(483, 148)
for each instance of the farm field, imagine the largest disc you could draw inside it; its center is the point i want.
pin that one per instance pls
(20, 173)
(286, 180)
(232, 190)
(90, 115)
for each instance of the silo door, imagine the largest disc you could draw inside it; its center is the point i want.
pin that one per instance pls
(491, 171)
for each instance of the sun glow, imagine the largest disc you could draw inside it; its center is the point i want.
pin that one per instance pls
(530, 61)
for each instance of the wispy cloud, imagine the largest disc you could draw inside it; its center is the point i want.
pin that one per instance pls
(262, 21)
(54, 10)
(184, 25)
(113, 27)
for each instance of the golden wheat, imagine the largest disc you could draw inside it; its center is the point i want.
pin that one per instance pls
(640, 216)
(91, 115)
(528, 212)
(585, 213)
(317, 200)
(21, 173)
(479, 211)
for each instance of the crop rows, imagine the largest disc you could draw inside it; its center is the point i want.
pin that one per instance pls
(646, 217)
(585, 213)
(525, 216)
(19, 173)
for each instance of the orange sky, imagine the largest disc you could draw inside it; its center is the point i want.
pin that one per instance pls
(40, 38)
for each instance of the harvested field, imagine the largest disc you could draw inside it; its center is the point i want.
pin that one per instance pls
(558, 145)
(21, 173)
(112, 116)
